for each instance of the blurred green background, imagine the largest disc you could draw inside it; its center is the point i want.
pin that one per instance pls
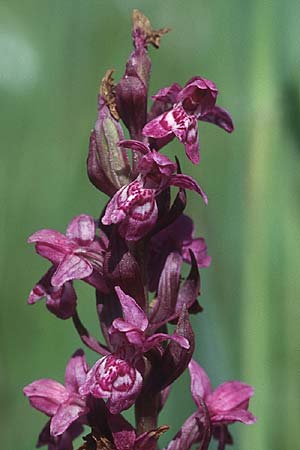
(52, 57)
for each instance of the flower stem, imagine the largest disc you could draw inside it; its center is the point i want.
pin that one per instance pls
(86, 338)
(146, 412)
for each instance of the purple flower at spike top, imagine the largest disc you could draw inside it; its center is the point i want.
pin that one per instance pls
(132, 255)
(196, 101)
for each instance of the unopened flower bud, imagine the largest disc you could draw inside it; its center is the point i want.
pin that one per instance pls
(108, 165)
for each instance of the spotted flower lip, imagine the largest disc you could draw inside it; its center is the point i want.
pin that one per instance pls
(115, 379)
(76, 255)
(62, 403)
(180, 109)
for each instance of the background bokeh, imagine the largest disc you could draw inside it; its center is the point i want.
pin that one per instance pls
(53, 54)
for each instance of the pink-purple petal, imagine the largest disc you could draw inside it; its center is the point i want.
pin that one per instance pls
(46, 395)
(191, 142)
(199, 248)
(168, 94)
(187, 182)
(156, 339)
(66, 414)
(230, 395)
(132, 312)
(220, 117)
(137, 146)
(72, 267)
(82, 230)
(200, 383)
(161, 126)
(76, 371)
(235, 415)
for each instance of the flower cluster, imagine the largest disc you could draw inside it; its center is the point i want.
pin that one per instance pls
(136, 247)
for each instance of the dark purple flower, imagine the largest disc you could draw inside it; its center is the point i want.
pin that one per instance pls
(76, 255)
(177, 237)
(61, 301)
(180, 109)
(62, 403)
(116, 376)
(134, 206)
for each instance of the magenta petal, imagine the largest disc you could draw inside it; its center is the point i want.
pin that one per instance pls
(191, 143)
(161, 126)
(62, 301)
(155, 339)
(219, 117)
(200, 383)
(187, 182)
(199, 248)
(132, 312)
(190, 432)
(137, 146)
(76, 371)
(51, 244)
(66, 414)
(168, 94)
(230, 395)
(82, 230)
(46, 395)
(42, 288)
(72, 267)
(235, 415)
(51, 237)
(198, 96)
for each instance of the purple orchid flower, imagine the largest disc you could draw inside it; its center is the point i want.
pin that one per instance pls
(116, 377)
(134, 206)
(62, 403)
(228, 403)
(61, 301)
(177, 237)
(217, 409)
(76, 255)
(180, 109)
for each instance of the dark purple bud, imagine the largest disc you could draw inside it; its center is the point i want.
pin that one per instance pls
(167, 291)
(108, 165)
(121, 269)
(131, 92)
(175, 358)
(190, 290)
